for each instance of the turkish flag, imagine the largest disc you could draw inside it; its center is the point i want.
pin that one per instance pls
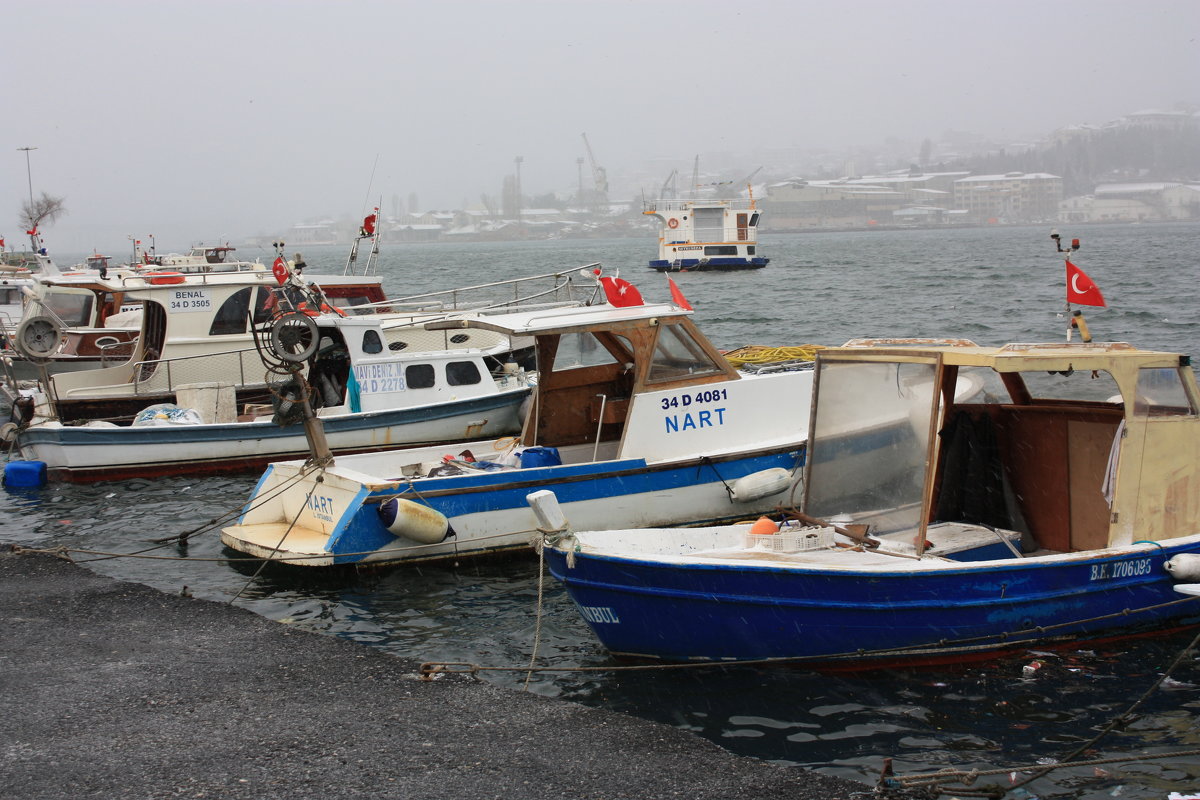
(368, 225)
(1080, 288)
(621, 292)
(280, 270)
(677, 295)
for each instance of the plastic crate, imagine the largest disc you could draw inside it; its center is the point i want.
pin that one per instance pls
(791, 540)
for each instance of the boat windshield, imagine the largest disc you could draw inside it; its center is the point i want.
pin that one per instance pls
(870, 442)
(677, 354)
(73, 308)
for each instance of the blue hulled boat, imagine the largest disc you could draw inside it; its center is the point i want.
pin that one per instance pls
(1060, 502)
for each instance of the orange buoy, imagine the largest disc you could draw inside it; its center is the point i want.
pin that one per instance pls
(764, 525)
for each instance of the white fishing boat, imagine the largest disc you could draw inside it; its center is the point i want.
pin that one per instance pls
(367, 396)
(370, 394)
(706, 234)
(636, 419)
(110, 345)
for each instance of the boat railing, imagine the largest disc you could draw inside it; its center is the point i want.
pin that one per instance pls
(155, 376)
(109, 351)
(565, 288)
(681, 206)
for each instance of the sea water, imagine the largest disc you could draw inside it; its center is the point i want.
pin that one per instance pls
(990, 285)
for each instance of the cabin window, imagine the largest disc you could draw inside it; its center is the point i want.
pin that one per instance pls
(581, 350)
(754, 220)
(750, 250)
(1160, 393)
(721, 250)
(263, 305)
(371, 343)
(73, 309)
(231, 316)
(708, 224)
(419, 376)
(678, 355)
(870, 442)
(1073, 385)
(462, 373)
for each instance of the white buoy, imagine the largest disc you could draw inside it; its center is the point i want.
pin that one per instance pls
(757, 485)
(414, 521)
(1184, 567)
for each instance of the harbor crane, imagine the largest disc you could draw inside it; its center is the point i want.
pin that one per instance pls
(599, 177)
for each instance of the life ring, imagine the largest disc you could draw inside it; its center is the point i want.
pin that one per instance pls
(163, 278)
(672, 223)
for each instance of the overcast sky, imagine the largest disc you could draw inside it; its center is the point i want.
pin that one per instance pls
(210, 119)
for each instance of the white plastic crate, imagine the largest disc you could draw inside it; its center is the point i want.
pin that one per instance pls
(791, 539)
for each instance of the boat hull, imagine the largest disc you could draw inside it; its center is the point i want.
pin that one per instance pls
(80, 453)
(489, 512)
(866, 618)
(714, 264)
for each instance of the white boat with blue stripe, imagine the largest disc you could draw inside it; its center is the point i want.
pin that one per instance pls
(637, 419)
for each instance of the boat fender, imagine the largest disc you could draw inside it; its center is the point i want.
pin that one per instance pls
(757, 485)
(1184, 567)
(413, 521)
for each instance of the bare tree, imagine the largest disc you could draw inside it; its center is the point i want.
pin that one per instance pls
(42, 209)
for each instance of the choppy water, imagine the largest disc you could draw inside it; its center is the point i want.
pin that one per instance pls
(988, 285)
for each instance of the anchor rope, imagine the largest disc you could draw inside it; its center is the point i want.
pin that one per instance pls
(183, 537)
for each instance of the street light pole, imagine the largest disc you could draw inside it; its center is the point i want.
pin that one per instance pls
(28, 173)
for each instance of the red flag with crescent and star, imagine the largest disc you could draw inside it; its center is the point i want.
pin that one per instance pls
(1081, 290)
(280, 270)
(621, 292)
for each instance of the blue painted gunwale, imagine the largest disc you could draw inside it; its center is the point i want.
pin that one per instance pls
(722, 612)
(360, 530)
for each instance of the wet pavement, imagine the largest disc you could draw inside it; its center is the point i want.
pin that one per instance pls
(114, 689)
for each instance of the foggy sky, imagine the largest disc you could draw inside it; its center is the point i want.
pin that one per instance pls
(212, 119)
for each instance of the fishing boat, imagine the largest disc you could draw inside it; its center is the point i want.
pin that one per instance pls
(381, 381)
(706, 234)
(110, 344)
(636, 419)
(1061, 502)
(367, 396)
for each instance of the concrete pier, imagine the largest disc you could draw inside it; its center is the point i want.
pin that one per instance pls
(117, 690)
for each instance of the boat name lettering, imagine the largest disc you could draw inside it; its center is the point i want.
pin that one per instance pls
(690, 421)
(1121, 569)
(188, 300)
(684, 400)
(321, 507)
(691, 247)
(599, 614)
(374, 378)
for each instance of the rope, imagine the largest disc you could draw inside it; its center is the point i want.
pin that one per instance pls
(761, 354)
(969, 776)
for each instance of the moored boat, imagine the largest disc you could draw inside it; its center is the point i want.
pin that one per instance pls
(1060, 503)
(636, 419)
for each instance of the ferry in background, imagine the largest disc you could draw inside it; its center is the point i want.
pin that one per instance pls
(709, 234)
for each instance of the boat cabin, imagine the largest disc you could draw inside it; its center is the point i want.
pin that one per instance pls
(1068, 444)
(592, 362)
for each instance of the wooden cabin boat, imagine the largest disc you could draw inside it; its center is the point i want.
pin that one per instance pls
(1060, 503)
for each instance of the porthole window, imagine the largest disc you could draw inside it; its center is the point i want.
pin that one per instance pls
(371, 343)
